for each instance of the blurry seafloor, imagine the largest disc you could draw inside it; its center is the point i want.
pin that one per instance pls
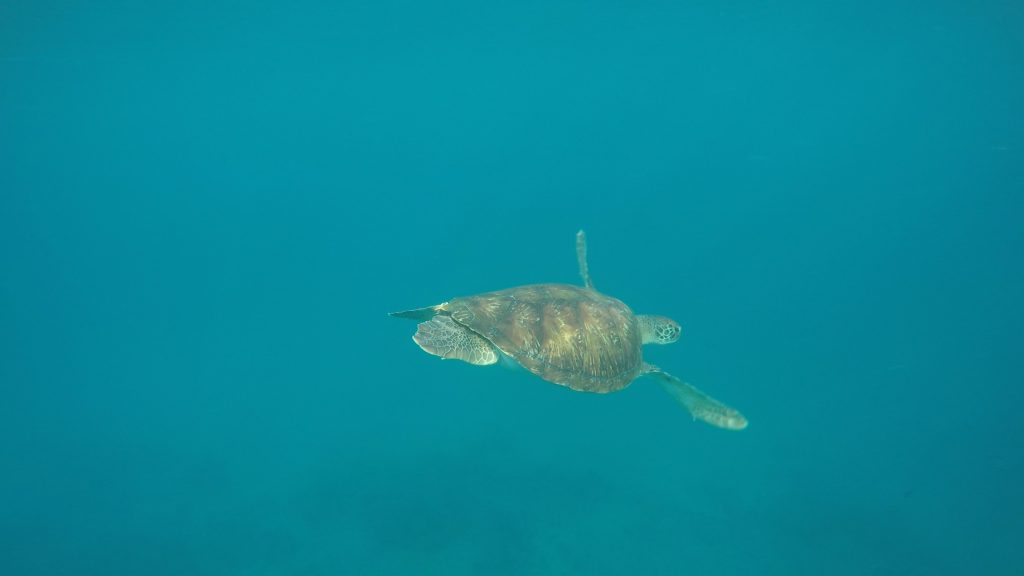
(207, 209)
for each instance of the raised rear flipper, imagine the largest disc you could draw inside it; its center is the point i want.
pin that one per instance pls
(581, 259)
(444, 337)
(700, 405)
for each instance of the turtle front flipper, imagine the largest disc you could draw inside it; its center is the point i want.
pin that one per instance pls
(700, 405)
(444, 337)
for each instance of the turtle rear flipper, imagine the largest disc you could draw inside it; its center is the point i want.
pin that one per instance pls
(581, 259)
(700, 405)
(444, 337)
(418, 313)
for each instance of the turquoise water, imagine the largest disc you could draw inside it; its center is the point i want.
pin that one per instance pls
(207, 210)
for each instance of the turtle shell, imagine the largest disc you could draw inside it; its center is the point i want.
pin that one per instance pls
(567, 335)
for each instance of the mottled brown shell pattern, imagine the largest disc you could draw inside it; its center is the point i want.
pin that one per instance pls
(566, 335)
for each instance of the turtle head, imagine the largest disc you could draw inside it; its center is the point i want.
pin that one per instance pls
(658, 329)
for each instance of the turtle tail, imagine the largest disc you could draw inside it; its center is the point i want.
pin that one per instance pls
(418, 314)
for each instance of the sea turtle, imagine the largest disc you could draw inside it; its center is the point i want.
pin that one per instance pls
(569, 335)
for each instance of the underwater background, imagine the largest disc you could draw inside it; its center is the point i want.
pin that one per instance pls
(208, 208)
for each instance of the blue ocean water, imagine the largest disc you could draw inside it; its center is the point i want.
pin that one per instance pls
(207, 209)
